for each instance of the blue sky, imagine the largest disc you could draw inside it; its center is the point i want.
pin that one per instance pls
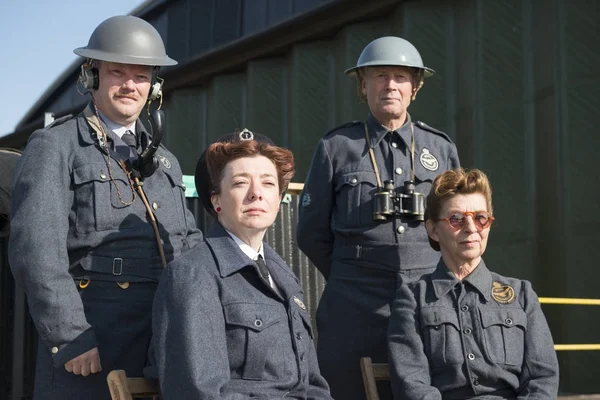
(37, 38)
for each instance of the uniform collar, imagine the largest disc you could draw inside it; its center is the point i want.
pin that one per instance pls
(221, 244)
(117, 129)
(377, 131)
(87, 134)
(443, 280)
(246, 249)
(229, 262)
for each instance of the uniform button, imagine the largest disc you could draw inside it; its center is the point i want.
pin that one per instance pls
(471, 356)
(465, 308)
(467, 331)
(353, 180)
(299, 336)
(399, 171)
(183, 186)
(475, 381)
(400, 229)
(508, 321)
(155, 205)
(102, 175)
(258, 323)
(54, 350)
(394, 144)
(437, 327)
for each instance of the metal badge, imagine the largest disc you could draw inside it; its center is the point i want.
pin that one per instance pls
(503, 293)
(428, 161)
(165, 161)
(299, 302)
(245, 134)
(305, 200)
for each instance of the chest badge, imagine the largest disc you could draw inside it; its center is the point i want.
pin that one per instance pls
(428, 161)
(165, 161)
(306, 199)
(503, 293)
(300, 303)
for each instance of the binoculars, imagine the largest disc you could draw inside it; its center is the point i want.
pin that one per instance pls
(387, 203)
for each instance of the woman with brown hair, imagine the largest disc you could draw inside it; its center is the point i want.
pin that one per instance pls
(229, 317)
(464, 332)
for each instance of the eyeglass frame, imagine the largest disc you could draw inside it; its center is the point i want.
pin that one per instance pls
(464, 221)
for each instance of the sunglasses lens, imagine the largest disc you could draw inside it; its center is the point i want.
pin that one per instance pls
(456, 220)
(482, 219)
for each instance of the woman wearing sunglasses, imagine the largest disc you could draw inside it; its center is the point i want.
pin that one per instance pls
(464, 332)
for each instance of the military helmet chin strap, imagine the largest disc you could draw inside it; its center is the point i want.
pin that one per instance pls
(93, 120)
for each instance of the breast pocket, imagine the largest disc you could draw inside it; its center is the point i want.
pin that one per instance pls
(504, 334)
(441, 336)
(354, 198)
(178, 203)
(255, 335)
(93, 199)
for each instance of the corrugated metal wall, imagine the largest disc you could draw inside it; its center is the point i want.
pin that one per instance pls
(516, 86)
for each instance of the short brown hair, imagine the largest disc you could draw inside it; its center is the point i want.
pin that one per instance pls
(453, 182)
(219, 154)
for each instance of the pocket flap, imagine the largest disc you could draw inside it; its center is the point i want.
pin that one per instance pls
(97, 172)
(355, 178)
(436, 316)
(254, 316)
(506, 316)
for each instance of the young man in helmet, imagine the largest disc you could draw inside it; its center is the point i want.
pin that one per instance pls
(361, 212)
(88, 241)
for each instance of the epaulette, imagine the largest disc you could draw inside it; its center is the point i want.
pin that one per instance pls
(59, 121)
(346, 125)
(428, 128)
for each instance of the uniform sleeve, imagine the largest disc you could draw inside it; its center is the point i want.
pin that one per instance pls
(453, 161)
(194, 235)
(318, 389)
(190, 348)
(539, 379)
(41, 203)
(314, 234)
(409, 367)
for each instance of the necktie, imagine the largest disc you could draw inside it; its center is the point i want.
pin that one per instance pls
(262, 267)
(130, 140)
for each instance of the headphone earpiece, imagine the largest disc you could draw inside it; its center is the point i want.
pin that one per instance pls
(155, 88)
(88, 77)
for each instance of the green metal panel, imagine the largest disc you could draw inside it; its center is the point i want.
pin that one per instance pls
(185, 133)
(226, 105)
(311, 103)
(267, 100)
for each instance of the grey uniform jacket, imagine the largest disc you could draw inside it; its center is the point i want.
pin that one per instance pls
(220, 332)
(336, 214)
(484, 337)
(67, 222)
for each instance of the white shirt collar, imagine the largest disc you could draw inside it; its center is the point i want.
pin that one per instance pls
(118, 130)
(249, 251)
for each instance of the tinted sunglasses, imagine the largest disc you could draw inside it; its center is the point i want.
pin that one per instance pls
(482, 219)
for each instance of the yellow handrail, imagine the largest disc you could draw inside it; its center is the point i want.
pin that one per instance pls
(568, 300)
(562, 347)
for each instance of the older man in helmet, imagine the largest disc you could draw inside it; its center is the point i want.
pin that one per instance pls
(93, 225)
(361, 211)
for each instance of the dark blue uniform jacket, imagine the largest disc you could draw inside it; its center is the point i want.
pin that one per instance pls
(68, 224)
(223, 333)
(484, 337)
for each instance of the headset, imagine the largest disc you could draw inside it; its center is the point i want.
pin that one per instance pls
(89, 79)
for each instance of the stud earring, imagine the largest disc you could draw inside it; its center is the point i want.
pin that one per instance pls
(218, 209)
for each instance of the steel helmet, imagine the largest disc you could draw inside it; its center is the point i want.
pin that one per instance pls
(390, 50)
(126, 39)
